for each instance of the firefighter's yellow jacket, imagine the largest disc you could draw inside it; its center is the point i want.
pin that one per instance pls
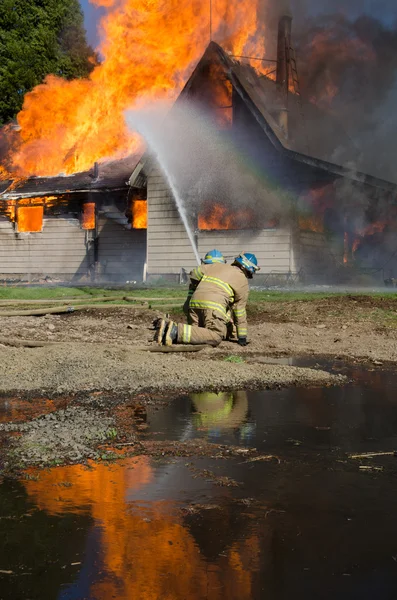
(221, 287)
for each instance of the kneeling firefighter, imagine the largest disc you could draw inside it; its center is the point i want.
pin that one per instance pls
(221, 287)
(211, 258)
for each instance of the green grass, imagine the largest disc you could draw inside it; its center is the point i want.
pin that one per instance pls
(84, 294)
(233, 359)
(276, 296)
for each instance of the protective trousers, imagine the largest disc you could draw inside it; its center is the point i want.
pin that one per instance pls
(206, 327)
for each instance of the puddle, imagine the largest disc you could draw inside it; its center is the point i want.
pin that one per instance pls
(312, 526)
(361, 416)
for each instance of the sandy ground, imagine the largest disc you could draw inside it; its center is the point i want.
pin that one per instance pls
(99, 349)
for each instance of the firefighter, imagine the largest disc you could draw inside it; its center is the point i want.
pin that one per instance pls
(221, 287)
(212, 257)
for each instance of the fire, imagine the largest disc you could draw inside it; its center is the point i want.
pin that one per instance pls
(371, 229)
(219, 217)
(345, 248)
(313, 206)
(311, 223)
(149, 50)
(344, 51)
(139, 214)
(30, 218)
(88, 216)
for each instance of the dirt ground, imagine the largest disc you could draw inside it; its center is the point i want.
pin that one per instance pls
(101, 349)
(70, 399)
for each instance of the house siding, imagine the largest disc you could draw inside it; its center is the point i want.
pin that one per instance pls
(169, 249)
(58, 250)
(168, 246)
(316, 259)
(272, 247)
(121, 251)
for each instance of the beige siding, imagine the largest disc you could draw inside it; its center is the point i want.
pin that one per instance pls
(121, 251)
(315, 256)
(168, 246)
(59, 250)
(272, 247)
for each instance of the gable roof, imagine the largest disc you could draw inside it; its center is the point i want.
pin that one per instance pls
(314, 137)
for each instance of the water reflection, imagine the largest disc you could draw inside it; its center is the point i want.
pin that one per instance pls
(140, 550)
(361, 415)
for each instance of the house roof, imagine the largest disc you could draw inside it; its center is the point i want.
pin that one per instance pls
(314, 137)
(109, 176)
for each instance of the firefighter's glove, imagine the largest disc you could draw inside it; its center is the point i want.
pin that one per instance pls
(242, 341)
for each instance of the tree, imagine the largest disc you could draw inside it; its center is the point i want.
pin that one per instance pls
(39, 37)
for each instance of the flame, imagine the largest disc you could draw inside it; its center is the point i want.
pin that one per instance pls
(220, 217)
(371, 229)
(216, 92)
(139, 214)
(149, 50)
(88, 216)
(345, 248)
(344, 51)
(311, 223)
(313, 206)
(30, 218)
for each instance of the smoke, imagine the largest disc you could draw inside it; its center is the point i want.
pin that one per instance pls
(206, 164)
(347, 60)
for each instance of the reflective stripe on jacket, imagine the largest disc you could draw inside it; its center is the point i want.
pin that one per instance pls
(220, 287)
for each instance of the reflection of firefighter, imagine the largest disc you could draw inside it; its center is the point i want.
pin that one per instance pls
(221, 288)
(224, 410)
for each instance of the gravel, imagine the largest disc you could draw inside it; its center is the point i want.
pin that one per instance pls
(77, 367)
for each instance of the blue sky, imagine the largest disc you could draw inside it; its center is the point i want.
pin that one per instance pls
(91, 18)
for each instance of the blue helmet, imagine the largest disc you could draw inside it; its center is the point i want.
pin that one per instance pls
(248, 261)
(213, 256)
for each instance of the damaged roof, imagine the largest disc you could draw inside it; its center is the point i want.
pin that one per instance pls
(314, 137)
(108, 176)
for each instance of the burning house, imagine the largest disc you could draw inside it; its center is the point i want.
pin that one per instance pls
(88, 226)
(307, 213)
(257, 168)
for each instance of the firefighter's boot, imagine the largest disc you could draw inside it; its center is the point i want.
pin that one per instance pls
(171, 334)
(160, 326)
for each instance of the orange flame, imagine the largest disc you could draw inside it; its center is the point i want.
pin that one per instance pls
(139, 214)
(323, 45)
(149, 50)
(220, 217)
(377, 227)
(30, 218)
(345, 248)
(88, 216)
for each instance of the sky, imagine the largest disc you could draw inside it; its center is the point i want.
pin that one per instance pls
(92, 15)
(385, 10)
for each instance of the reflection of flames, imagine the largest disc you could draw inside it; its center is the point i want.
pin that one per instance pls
(219, 216)
(88, 217)
(148, 51)
(139, 214)
(139, 546)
